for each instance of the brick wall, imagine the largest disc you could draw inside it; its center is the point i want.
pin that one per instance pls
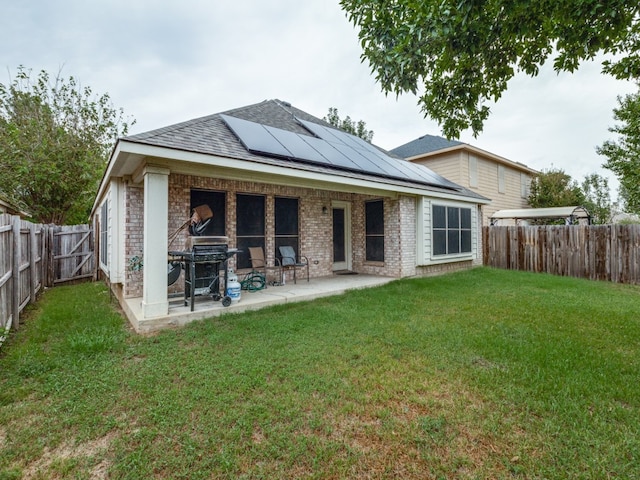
(316, 236)
(134, 237)
(439, 269)
(315, 227)
(408, 240)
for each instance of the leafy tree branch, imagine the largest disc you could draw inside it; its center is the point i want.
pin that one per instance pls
(55, 140)
(459, 55)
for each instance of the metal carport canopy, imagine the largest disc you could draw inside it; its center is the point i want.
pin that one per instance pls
(552, 212)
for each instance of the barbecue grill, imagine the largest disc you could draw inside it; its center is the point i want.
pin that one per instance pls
(204, 261)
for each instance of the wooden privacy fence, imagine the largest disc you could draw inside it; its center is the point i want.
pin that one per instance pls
(70, 254)
(595, 252)
(34, 256)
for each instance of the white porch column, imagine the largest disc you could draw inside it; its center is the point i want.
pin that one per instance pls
(155, 301)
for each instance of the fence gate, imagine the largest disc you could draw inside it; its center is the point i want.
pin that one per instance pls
(72, 256)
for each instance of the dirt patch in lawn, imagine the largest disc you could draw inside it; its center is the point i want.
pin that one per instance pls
(42, 467)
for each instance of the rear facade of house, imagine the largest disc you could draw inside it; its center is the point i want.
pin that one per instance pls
(371, 216)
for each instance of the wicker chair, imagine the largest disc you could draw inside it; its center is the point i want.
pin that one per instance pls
(259, 263)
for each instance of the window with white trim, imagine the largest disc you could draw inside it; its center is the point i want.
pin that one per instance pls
(451, 230)
(473, 171)
(501, 179)
(104, 233)
(524, 185)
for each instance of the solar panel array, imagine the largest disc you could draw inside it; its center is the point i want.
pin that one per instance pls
(330, 147)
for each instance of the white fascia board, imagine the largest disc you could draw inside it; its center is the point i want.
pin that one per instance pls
(106, 178)
(478, 151)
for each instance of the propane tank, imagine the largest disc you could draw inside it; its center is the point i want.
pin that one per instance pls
(233, 286)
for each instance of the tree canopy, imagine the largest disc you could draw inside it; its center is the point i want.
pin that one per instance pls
(555, 188)
(459, 55)
(358, 128)
(55, 139)
(623, 155)
(597, 198)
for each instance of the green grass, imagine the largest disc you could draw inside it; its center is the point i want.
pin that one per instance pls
(474, 375)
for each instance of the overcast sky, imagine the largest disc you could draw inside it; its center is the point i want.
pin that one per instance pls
(166, 61)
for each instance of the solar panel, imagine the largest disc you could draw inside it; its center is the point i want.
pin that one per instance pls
(330, 153)
(331, 147)
(399, 168)
(296, 145)
(255, 137)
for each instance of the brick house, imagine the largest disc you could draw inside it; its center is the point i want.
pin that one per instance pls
(505, 182)
(343, 210)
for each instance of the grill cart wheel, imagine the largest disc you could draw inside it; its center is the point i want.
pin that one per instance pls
(226, 301)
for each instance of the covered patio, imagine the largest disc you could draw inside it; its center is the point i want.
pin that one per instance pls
(272, 177)
(205, 307)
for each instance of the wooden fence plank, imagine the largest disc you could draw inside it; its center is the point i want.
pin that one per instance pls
(27, 251)
(17, 256)
(6, 273)
(597, 252)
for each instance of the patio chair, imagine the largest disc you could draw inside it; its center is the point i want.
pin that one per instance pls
(289, 261)
(259, 263)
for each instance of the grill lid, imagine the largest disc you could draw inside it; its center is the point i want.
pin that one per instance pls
(195, 241)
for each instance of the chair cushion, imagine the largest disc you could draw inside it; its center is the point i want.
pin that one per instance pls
(288, 256)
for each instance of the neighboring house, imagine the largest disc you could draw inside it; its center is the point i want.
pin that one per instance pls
(274, 175)
(506, 183)
(7, 207)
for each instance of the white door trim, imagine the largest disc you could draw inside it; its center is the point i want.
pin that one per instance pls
(348, 263)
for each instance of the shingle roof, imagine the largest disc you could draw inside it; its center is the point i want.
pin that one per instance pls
(424, 144)
(210, 135)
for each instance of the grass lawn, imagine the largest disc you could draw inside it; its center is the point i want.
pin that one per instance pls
(474, 375)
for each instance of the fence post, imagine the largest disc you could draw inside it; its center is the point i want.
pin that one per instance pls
(50, 261)
(33, 255)
(15, 271)
(44, 256)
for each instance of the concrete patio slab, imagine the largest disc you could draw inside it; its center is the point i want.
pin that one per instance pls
(205, 307)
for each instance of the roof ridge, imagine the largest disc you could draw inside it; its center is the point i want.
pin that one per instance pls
(169, 128)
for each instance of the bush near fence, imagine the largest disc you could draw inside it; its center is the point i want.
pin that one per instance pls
(595, 252)
(34, 256)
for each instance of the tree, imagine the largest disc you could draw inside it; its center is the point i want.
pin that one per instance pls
(623, 200)
(358, 128)
(597, 198)
(555, 188)
(55, 139)
(623, 156)
(461, 53)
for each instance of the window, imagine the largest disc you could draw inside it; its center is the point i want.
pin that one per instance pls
(451, 230)
(501, 181)
(104, 233)
(473, 171)
(524, 185)
(249, 226)
(374, 231)
(217, 202)
(286, 222)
